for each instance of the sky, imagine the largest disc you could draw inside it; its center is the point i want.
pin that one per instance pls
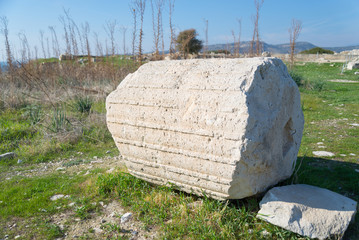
(325, 23)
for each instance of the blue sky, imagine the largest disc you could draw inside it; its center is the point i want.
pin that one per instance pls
(325, 22)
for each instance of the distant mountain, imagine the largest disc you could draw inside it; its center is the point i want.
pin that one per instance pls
(276, 48)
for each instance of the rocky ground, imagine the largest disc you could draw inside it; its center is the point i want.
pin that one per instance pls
(110, 222)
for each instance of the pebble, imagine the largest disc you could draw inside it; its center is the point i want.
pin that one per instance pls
(134, 233)
(60, 169)
(71, 204)
(323, 154)
(265, 233)
(320, 143)
(103, 220)
(57, 197)
(126, 217)
(18, 236)
(352, 154)
(108, 152)
(19, 161)
(343, 155)
(354, 124)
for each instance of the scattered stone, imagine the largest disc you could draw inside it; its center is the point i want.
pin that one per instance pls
(352, 154)
(357, 170)
(323, 154)
(265, 233)
(229, 128)
(97, 230)
(322, 146)
(60, 169)
(343, 155)
(57, 197)
(320, 143)
(19, 161)
(134, 233)
(108, 152)
(307, 210)
(343, 81)
(354, 124)
(113, 214)
(110, 170)
(17, 236)
(71, 204)
(8, 155)
(103, 220)
(356, 73)
(126, 217)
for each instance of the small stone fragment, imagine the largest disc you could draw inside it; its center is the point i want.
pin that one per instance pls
(323, 154)
(126, 217)
(7, 155)
(57, 197)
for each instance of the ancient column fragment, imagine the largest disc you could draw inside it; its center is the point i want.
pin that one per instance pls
(229, 128)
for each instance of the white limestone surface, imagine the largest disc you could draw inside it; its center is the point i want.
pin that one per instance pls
(308, 210)
(229, 128)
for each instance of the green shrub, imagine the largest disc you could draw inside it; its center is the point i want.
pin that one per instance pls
(298, 79)
(83, 104)
(317, 50)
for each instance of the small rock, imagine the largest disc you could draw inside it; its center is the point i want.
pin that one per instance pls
(18, 236)
(71, 204)
(265, 233)
(110, 170)
(320, 143)
(57, 197)
(134, 233)
(354, 124)
(357, 170)
(322, 147)
(19, 161)
(343, 155)
(108, 152)
(103, 221)
(352, 154)
(356, 73)
(60, 169)
(113, 214)
(323, 154)
(98, 230)
(95, 157)
(126, 217)
(7, 155)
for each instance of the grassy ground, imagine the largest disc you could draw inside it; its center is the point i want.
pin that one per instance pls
(75, 129)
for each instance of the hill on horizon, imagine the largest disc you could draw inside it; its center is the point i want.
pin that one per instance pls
(283, 48)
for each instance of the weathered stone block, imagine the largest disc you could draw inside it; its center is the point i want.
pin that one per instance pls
(308, 210)
(227, 127)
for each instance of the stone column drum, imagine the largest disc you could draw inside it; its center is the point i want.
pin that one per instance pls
(229, 128)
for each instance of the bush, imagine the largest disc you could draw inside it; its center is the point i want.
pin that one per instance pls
(298, 79)
(188, 43)
(317, 50)
(83, 104)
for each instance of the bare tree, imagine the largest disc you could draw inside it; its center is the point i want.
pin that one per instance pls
(85, 33)
(140, 6)
(294, 32)
(99, 48)
(234, 43)
(66, 36)
(55, 42)
(157, 23)
(205, 50)
(5, 31)
(173, 38)
(25, 48)
(110, 29)
(134, 30)
(239, 36)
(124, 30)
(255, 38)
(42, 43)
